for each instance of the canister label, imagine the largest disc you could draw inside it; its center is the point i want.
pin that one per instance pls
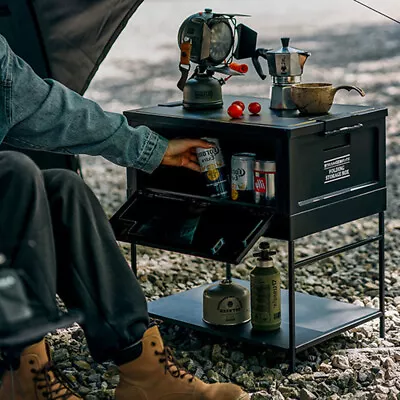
(337, 168)
(227, 311)
(265, 300)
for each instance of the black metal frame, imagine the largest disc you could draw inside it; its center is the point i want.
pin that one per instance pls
(292, 265)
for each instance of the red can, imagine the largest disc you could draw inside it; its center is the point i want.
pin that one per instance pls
(264, 182)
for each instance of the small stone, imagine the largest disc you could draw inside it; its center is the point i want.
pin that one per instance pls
(60, 355)
(308, 370)
(237, 356)
(346, 380)
(263, 395)
(216, 353)
(227, 370)
(213, 376)
(295, 377)
(83, 365)
(379, 396)
(341, 362)
(278, 396)
(104, 385)
(362, 376)
(305, 394)
(84, 391)
(325, 367)
(181, 286)
(289, 391)
(113, 381)
(208, 365)
(382, 389)
(388, 363)
(320, 375)
(371, 286)
(95, 378)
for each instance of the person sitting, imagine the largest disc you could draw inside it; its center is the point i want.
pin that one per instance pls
(53, 228)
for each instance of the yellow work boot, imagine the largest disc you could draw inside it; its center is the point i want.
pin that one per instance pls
(155, 375)
(36, 378)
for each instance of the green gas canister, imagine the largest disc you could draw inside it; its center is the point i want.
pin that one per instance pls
(265, 291)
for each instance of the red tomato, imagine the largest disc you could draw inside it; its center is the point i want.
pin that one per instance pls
(235, 111)
(240, 104)
(255, 108)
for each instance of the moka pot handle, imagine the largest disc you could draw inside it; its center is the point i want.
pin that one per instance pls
(259, 53)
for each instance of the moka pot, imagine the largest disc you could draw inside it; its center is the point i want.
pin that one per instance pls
(286, 68)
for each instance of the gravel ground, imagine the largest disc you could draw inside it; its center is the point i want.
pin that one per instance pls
(354, 365)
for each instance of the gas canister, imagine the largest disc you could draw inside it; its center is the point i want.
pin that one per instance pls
(226, 303)
(265, 292)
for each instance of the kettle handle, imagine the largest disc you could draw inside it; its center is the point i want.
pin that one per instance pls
(259, 53)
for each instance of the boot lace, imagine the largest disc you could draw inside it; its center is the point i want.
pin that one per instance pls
(60, 383)
(172, 365)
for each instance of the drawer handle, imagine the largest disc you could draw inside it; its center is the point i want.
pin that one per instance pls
(343, 130)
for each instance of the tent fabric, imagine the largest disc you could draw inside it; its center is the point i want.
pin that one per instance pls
(78, 34)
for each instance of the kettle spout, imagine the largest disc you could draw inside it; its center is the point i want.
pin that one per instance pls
(303, 57)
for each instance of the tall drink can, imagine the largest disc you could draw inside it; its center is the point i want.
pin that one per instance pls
(264, 182)
(242, 177)
(212, 167)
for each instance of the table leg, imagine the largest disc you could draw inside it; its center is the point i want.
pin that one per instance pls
(292, 307)
(382, 273)
(133, 259)
(131, 187)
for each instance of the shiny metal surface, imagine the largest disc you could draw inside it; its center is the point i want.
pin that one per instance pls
(285, 80)
(286, 61)
(281, 98)
(202, 92)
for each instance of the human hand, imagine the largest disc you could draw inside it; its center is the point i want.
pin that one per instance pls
(182, 153)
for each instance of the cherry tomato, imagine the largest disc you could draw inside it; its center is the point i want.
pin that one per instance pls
(240, 104)
(235, 111)
(254, 108)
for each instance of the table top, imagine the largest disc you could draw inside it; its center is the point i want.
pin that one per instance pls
(290, 121)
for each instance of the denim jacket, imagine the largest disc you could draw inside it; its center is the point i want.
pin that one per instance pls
(43, 114)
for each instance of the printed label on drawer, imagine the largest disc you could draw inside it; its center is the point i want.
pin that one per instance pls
(337, 168)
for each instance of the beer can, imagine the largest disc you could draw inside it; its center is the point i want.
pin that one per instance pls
(212, 167)
(242, 177)
(264, 182)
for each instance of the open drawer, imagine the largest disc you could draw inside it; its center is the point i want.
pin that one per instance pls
(200, 226)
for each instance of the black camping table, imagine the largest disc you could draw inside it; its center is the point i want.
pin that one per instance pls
(309, 199)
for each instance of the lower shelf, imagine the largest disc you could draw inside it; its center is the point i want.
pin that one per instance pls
(317, 319)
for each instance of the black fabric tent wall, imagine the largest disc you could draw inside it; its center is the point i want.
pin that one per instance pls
(66, 41)
(18, 25)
